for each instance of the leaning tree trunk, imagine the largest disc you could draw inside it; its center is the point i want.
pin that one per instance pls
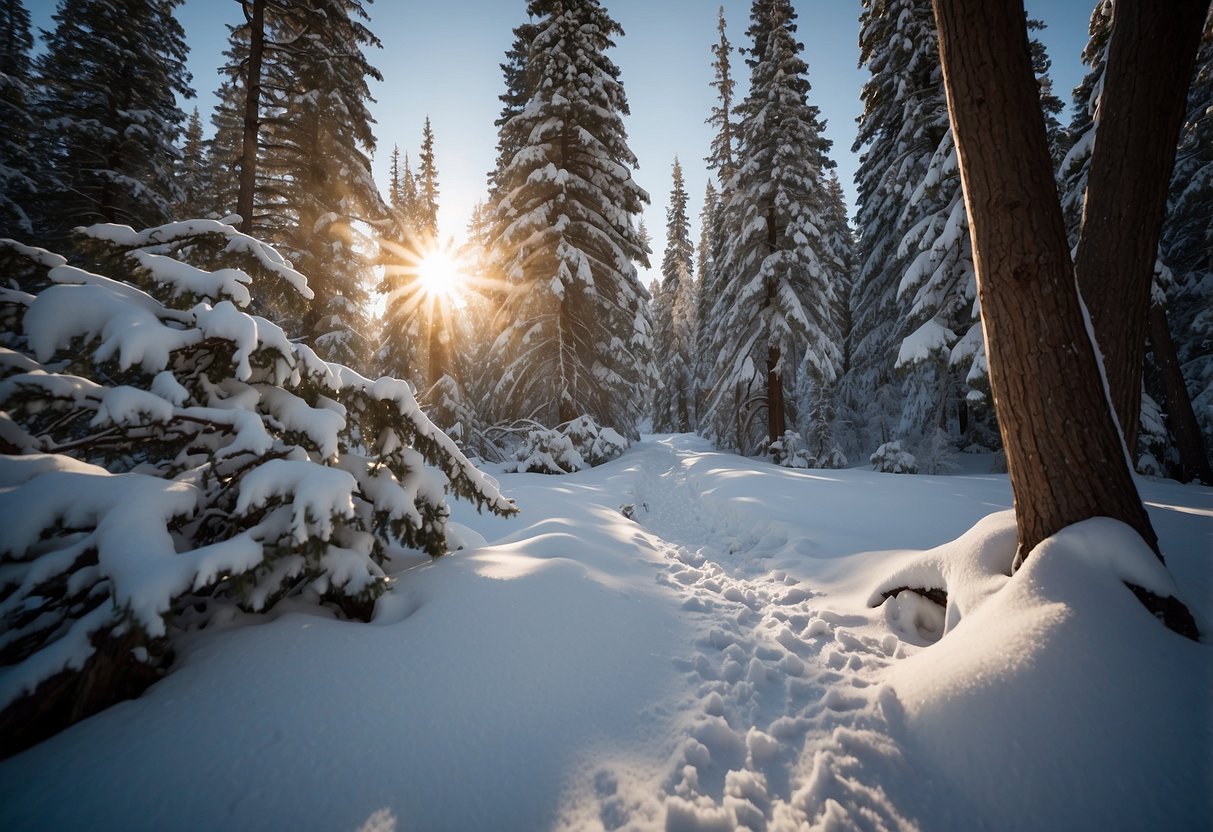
(1193, 456)
(1141, 110)
(252, 115)
(1065, 455)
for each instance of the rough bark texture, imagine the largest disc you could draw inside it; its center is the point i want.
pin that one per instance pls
(1149, 66)
(252, 115)
(1064, 453)
(1193, 456)
(776, 420)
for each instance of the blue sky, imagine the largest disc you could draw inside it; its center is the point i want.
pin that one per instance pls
(441, 59)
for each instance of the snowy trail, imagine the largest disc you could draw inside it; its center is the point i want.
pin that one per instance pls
(709, 664)
(776, 686)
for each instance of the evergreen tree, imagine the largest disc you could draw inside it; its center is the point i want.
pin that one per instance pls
(1187, 241)
(314, 181)
(826, 424)
(705, 292)
(223, 150)
(17, 152)
(1059, 137)
(395, 181)
(674, 319)
(110, 81)
(1072, 172)
(181, 459)
(576, 323)
(427, 185)
(899, 131)
(775, 310)
(193, 173)
(513, 100)
(720, 159)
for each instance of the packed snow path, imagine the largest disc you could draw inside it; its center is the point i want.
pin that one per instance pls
(773, 681)
(710, 663)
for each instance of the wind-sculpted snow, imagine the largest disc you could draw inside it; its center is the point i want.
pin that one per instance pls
(686, 640)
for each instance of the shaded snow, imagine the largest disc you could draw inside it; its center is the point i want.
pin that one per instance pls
(713, 662)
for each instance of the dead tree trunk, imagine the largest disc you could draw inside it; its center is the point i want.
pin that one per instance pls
(1141, 110)
(252, 113)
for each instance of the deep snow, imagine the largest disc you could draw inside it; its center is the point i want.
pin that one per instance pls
(710, 663)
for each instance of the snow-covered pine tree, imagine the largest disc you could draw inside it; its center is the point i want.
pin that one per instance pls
(319, 138)
(576, 331)
(1072, 172)
(721, 159)
(674, 319)
(899, 131)
(224, 148)
(395, 189)
(427, 184)
(1059, 136)
(724, 143)
(314, 184)
(17, 153)
(1187, 241)
(513, 101)
(173, 458)
(192, 172)
(110, 83)
(941, 360)
(415, 320)
(705, 287)
(774, 312)
(824, 423)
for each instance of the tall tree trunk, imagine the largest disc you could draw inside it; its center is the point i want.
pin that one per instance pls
(439, 354)
(776, 421)
(252, 113)
(1064, 452)
(1141, 110)
(1193, 456)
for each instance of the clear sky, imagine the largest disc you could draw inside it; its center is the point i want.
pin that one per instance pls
(442, 58)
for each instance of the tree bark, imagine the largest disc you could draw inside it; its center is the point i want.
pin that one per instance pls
(1141, 110)
(1064, 453)
(439, 354)
(252, 113)
(1193, 456)
(776, 421)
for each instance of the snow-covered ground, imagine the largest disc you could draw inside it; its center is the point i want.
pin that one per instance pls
(710, 663)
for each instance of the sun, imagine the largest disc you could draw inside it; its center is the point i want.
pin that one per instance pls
(441, 276)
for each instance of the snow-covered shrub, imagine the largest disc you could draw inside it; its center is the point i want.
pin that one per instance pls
(170, 455)
(891, 459)
(788, 451)
(936, 453)
(595, 444)
(548, 451)
(574, 446)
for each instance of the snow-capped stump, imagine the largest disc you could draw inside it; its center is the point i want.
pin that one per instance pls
(169, 456)
(573, 446)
